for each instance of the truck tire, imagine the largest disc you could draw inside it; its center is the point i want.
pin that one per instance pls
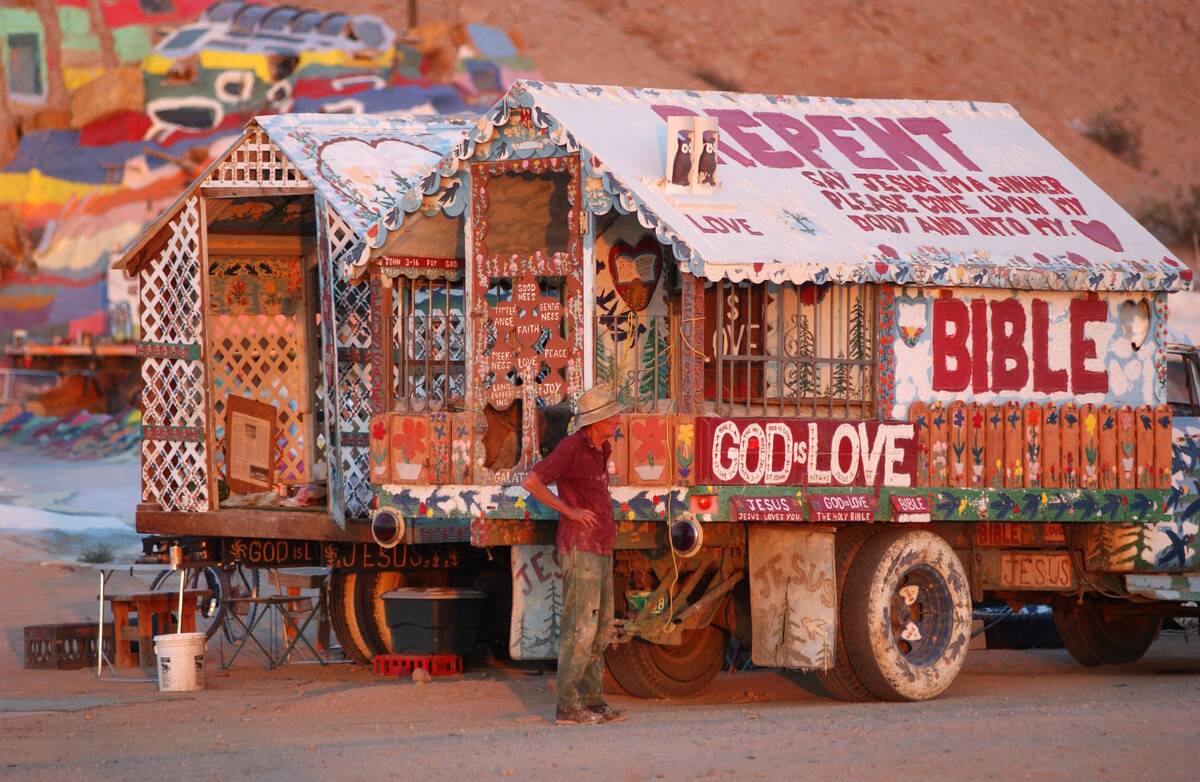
(372, 623)
(343, 615)
(906, 617)
(647, 670)
(841, 681)
(1094, 639)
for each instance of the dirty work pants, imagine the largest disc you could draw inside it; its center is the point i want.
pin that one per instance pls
(587, 623)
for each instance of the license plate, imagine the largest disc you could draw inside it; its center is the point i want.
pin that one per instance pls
(1037, 571)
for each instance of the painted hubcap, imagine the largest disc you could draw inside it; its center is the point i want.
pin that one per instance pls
(921, 615)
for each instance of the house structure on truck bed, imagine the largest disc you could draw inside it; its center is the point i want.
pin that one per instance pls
(900, 356)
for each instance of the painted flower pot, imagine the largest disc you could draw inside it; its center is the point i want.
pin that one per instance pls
(649, 472)
(406, 471)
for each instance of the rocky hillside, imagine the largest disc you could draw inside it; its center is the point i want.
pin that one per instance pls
(1128, 68)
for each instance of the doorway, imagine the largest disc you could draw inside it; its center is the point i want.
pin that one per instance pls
(261, 342)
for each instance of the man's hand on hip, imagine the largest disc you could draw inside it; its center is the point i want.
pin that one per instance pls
(581, 516)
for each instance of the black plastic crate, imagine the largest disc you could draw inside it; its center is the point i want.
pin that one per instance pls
(435, 620)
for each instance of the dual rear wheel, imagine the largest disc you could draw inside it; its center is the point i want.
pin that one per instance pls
(1095, 636)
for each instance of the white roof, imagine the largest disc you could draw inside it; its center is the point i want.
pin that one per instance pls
(364, 165)
(832, 189)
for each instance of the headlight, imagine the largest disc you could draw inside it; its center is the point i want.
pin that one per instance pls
(387, 527)
(686, 536)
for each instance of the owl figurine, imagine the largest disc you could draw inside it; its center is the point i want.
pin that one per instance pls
(707, 164)
(681, 170)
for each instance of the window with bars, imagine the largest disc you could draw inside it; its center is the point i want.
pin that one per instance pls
(429, 338)
(790, 350)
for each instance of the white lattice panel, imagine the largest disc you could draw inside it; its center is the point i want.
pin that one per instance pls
(341, 237)
(170, 284)
(256, 161)
(356, 471)
(175, 475)
(174, 458)
(172, 393)
(352, 400)
(256, 356)
(354, 396)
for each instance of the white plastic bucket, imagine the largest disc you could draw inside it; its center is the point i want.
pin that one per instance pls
(180, 661)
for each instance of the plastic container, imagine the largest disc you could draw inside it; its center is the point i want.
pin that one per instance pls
(435, 620)
(180, 661)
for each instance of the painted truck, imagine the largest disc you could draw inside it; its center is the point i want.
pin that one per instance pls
(880, 359)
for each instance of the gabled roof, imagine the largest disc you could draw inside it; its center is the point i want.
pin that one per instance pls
(831, 189)
(362, 165)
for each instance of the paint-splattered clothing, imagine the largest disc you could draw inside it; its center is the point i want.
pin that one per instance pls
(580, 471)
(587, 625)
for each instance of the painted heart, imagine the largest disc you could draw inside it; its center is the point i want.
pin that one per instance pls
(636, 270)
(362, 171)
(1099, 233)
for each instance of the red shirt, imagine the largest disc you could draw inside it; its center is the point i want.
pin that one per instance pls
(580, 470)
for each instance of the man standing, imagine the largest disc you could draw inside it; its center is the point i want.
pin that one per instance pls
(586, 532)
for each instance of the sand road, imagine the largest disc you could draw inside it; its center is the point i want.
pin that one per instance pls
(1010, 716)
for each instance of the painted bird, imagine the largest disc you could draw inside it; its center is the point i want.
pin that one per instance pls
(681, 170)
(707, 164)
(1176, 551)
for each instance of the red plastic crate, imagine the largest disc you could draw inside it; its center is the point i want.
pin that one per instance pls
(405, 664)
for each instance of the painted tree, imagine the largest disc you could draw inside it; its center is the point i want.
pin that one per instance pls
(859, 338)
(605, 366)
(655, 371)
(824, 659)
(552, 633)
(522, 640)
(841, 380)
(806, 347)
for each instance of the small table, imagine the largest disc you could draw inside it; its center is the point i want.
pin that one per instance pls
(106, 570)
(148, 605)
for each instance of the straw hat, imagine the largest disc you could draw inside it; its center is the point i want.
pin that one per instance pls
(594, 405)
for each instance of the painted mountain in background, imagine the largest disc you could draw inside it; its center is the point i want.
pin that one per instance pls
(109, 107)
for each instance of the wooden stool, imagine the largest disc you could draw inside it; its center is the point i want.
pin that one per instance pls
(147, 605)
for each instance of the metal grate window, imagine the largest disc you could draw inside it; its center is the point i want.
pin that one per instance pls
(428, 345)
(790, 350)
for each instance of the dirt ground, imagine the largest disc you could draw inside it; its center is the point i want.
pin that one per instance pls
(1010, 715)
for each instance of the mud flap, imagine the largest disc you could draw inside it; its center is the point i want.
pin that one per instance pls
(537, 603)
(793, 599)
